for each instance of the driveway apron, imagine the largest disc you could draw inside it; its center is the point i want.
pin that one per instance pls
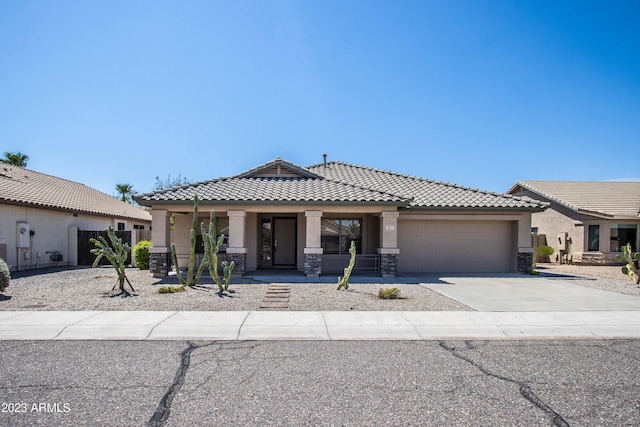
(513, 293)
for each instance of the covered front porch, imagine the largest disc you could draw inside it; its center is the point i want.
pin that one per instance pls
(309, 240)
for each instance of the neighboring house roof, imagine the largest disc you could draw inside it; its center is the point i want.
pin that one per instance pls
(279, 181)
(606, 199)
(25, 187)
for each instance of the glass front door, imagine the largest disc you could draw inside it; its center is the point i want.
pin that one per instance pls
(278, 242)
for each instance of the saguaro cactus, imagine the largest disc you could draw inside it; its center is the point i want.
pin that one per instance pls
(343, 282)
(630, 269)
(191, 279)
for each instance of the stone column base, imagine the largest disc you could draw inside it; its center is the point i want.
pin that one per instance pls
(312, 264)
(388, 265)
(160, 263)
(525, 261)
(240, 261)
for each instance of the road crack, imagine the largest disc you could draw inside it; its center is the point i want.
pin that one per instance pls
(163, 410)
(525, 390)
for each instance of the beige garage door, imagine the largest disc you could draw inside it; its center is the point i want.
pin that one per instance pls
(455, 246)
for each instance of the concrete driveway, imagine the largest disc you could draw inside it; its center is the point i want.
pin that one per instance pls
(523, 293)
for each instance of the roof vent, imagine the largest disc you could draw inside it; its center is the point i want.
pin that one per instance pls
(324, 156)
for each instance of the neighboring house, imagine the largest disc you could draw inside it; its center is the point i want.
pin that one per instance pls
(280, 215)
(41, 216)
(587, 222)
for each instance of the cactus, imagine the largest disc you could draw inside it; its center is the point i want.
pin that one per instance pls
(211, 248)
(343, 282)
(630, 269)
(116, 253)
(191, 279)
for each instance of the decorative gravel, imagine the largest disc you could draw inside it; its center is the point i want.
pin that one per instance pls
(606, 278)
(91, 289)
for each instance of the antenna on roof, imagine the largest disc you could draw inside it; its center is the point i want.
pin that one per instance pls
(325, 160)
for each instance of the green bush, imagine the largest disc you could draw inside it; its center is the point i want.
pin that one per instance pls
(5, 275)
(389, 293)
(543, 253)
(141, 254)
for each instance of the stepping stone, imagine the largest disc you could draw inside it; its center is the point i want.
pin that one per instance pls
(274, 305)
(276, 296)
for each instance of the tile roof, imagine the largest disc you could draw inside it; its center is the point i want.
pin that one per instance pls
(609, 199)
(270, 189)
(337, 182)
(424, 193)
(26, 187)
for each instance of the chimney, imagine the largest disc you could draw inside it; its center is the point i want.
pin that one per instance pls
(325, 160)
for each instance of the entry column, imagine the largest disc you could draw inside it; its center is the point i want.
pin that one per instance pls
(160, 252)
(237, 250)
(388, 249)
(313, 247)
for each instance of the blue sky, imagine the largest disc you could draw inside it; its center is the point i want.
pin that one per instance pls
(478, 93)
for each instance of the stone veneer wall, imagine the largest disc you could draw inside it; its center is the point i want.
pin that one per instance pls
(241, 262)
(160, 263)
(525, 261)
(312, 264)
(388, 265)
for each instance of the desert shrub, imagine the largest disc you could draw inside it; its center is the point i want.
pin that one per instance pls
(543, 253)
(141, 254)
(5, 275)
(170, 289)
(389, 293)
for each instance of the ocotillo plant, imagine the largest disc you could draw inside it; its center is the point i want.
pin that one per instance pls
(344, 281)
(191, 279)
(116, 253)
(211, 248)
(630, 269)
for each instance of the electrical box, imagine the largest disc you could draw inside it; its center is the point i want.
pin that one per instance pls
(562, 241)
(23, 235)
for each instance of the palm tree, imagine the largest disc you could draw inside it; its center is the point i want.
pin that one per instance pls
(125, 191)
(15, 159)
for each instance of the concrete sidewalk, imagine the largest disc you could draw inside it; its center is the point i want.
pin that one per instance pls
(316, 325)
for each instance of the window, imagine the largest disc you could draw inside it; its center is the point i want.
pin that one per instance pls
(621, 234)
(593, 244)
(138, 227)
(337, 235)
(222, 227)
(121, 226)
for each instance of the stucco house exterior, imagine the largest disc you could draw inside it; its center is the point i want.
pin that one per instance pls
(41, 216)
(587, 222)
(281, 215)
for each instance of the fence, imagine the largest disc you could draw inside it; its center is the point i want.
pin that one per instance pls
(365, 263)
(85, 257)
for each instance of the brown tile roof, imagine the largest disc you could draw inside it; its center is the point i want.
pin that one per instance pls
(609, 199)
(337, 183)
(26, 187)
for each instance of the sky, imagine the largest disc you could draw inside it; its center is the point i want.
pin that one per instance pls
(479, 93)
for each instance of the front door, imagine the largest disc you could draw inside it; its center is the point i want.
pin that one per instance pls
(284, 242)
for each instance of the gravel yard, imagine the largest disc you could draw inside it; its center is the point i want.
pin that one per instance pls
(606, 278)
(91, 289)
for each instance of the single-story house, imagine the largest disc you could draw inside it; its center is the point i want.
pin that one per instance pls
(587, 222)
(41, 217)
(281, 215)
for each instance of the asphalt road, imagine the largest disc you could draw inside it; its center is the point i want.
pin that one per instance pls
(358, 383)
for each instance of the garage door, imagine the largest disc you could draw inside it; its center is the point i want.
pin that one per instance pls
(455, 246)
